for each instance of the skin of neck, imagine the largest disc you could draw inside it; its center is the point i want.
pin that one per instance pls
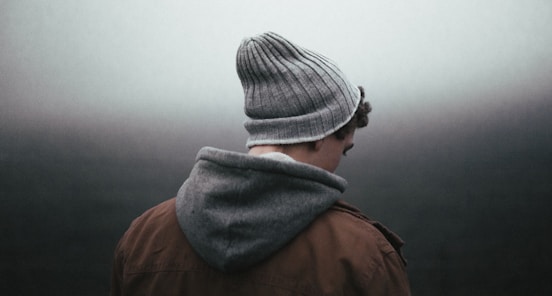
(300, 152)
(325, 153)
(309, 153)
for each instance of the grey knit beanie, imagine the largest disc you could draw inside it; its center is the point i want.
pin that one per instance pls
(292, 94)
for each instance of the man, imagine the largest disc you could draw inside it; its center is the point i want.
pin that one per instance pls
(269, 222)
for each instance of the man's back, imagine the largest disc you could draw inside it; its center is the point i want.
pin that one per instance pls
(340, 253)
(270, 221)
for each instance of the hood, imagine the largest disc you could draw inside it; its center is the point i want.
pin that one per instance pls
(236, 209)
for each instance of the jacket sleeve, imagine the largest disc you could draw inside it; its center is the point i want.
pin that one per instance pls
(390, 278)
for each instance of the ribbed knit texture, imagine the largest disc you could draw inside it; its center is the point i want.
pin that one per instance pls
(292, 94)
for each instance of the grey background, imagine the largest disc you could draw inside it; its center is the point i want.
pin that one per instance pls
(104, 104)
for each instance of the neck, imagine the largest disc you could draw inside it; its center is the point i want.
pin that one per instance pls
(299, 152)
(263, 149)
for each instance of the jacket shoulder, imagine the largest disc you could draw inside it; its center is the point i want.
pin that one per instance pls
(151, 231)
(342, 249)
(364, 221)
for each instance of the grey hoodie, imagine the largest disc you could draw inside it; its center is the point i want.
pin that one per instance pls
(236, 209)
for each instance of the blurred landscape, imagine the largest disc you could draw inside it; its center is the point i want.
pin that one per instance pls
(472, 199)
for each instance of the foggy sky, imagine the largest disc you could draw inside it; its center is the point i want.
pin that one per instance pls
(171, 64)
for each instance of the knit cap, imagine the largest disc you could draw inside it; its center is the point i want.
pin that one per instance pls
(292, 94)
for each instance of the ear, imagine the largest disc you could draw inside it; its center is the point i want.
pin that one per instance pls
(317, 145)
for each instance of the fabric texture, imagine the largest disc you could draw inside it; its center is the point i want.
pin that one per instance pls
(292, 94)
(340, 253)
(237, 209)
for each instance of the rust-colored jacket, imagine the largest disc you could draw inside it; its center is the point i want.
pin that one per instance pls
(340, 253)
(248, 225)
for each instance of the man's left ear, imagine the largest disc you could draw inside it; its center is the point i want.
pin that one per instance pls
(317, 145)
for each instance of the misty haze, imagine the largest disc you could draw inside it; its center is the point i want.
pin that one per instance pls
(103, 107)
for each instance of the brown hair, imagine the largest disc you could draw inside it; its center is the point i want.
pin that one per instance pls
(360, 118)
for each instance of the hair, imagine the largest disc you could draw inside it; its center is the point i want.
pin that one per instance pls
(360, 118)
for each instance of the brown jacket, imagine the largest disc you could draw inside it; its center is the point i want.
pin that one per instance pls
(341, 252)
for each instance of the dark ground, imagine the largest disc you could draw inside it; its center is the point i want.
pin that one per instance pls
(472, 199)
